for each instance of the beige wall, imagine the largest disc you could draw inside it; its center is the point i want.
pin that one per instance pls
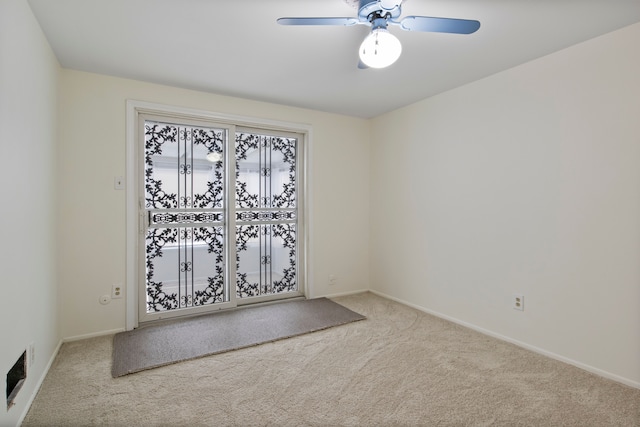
(28, 127)
(527, 181)
(92, 213)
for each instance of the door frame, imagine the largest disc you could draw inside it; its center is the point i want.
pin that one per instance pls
(134, 110)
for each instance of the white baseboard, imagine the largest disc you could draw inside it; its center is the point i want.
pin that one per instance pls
(343, 294)
(36, 389)
(92, 335)
(588, 368)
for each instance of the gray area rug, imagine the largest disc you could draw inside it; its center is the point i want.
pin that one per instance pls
(154, 346)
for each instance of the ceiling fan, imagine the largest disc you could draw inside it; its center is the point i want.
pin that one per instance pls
(381, 48)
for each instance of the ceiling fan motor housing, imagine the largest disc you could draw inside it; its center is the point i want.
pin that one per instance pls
(369, 8)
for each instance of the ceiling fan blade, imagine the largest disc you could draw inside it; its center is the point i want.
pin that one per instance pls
(439, 25)
(318, 21)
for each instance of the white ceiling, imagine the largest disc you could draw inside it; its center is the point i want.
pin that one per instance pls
(235, 47)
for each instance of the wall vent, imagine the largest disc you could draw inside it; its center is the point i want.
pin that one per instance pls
(15, 379)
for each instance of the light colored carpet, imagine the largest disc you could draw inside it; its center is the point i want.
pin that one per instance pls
(399, 367)
(184, 339)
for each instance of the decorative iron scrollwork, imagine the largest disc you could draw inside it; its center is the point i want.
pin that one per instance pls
(157, 298)
(286, 146)
(214, 292)
(213, 141)
(266, 216)
(156, 136)
(186, 215)
(169, 149)
(287, 232)
(185, 266)
(256, 178)
(245, 288)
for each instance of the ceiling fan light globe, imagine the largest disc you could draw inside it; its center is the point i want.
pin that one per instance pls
(214, 157)
(380, 49)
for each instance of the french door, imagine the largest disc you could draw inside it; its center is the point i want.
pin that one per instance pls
(220, 216)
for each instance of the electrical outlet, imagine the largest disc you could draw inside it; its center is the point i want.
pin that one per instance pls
(118, 183)
(518, 302)
(116, 291)
(332, 279)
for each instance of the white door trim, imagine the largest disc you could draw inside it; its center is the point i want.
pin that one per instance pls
(133, 110)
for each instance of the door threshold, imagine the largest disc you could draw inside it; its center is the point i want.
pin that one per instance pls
(238, 307)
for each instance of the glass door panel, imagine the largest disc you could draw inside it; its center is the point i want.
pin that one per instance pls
(199, 213)
(184, 173)
(266, 214)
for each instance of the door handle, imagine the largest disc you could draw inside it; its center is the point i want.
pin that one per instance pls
(143, 221)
